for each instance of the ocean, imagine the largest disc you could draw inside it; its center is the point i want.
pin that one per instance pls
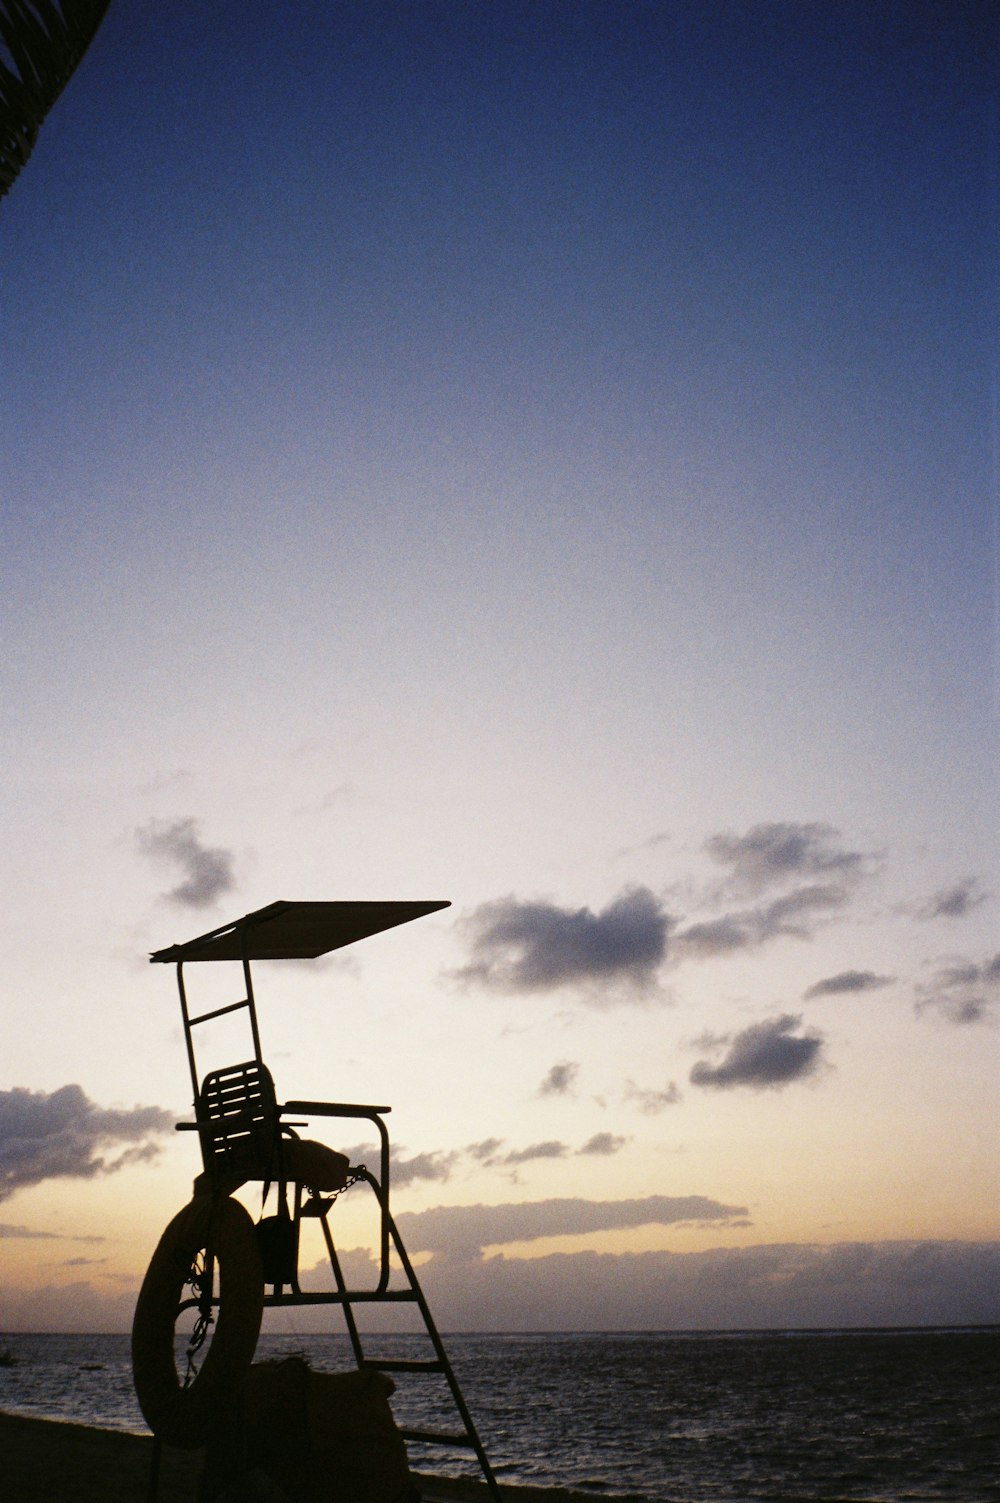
(908, 1416)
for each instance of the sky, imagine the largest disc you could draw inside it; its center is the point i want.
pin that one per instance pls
(543, 457)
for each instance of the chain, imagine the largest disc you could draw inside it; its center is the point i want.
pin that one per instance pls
(353, 1177)
(200, 1279)
(328, 1198)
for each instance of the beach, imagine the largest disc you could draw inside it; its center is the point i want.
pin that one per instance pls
(50, 1461)
(53, 1461)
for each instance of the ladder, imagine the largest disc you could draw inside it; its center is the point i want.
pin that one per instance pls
(465, 1438)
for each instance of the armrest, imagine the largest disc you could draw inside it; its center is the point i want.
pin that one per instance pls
(373, 1114)
(332, 1109)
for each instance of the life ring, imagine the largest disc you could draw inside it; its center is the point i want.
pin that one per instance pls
(186, 1416)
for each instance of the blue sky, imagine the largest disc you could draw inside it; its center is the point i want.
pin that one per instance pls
(538, 456)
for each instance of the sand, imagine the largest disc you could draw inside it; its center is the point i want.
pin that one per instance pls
(47, 1461)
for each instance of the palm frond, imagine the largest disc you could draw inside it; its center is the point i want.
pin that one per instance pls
(41, 43)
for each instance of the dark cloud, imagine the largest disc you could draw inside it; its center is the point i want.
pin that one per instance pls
(537, 946)
(560, 1079)
(162, 782)
(490, 1153)
(773, 854)
(795, 915)
(9, 1230)
(486, 1151)
(649, 844)
(73, 1304)
(207, 871)
(765, 1055)
(818, 875)
(848, 982)
(404, 1171)
(652, 1102)
(774, 1286)
(464, 1231)
(718, 936)
(603, 1144)
(65, 1135)
(426, 1166)
(550, 1149)
(966, 992)
(953, 902)
(771, 1286)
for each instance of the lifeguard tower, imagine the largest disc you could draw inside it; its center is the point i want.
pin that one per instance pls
(213, 1263)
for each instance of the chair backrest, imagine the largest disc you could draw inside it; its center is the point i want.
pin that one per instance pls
(238, 1121)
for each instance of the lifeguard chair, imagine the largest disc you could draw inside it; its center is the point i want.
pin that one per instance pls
(213, 1262)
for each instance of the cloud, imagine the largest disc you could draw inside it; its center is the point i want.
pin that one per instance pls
(764, 1287)
(718, 936)
(426, 1166)
(77, 1306)
(603, 1144)
(764, 1056)
(954, 901)
(484, 1152)
(652, 1102)
(65, 1135)
(966, 992)
(343, 794)
(434, 1165)
(488, 1153)
(439, 1165)
(8, 1229)
(207, 871)
(537, 946)
(560, 1079)
(819, 877)
(848, 982)
(795, 915)
(770, 854)
(464, 1231)
(550, 1149)
(662, 837)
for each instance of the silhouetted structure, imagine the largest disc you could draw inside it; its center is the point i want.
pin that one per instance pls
(212, 1261)
(46, 42)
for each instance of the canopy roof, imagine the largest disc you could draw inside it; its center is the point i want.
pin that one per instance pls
(296, 931)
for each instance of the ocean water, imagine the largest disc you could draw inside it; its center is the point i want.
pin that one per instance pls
(883, 1416)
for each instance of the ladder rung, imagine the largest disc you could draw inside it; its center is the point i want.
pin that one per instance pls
(349, 1297)
(439, 1438)
(404, 1365)
(218, 1012)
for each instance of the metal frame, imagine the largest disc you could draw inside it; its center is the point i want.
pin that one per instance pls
(372, 1114)
(286, 1292)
